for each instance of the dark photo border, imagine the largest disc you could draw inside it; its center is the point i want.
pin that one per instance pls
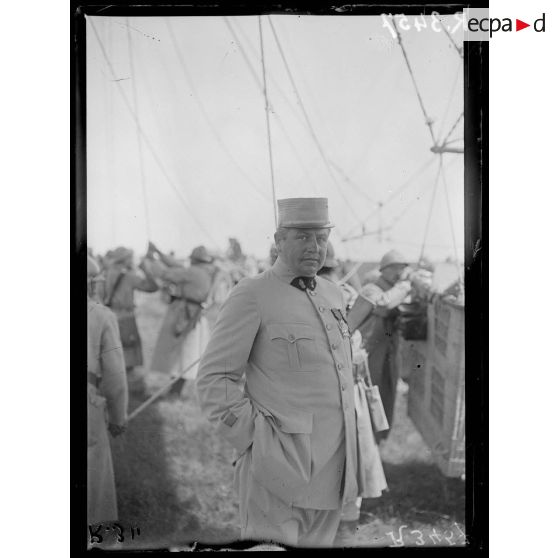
(475, 249)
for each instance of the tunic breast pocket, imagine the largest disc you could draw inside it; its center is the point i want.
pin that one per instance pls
(295, 347)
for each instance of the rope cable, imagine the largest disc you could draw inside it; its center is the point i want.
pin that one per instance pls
(351, 182)
(147, 141)
(138, 134)
(205, 115)
(436, 182)
(427, 119)
(295, 111)
(270, 77)
(453, 87)
(260, 87)
(452, 129)
(454, 242)
(459, 51)
(416, 173)
(267, 122)
(309, 124)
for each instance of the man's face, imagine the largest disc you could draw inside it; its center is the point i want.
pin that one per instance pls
(304, 250)
(393, 272)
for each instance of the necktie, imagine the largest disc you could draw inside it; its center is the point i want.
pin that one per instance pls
(304, 283)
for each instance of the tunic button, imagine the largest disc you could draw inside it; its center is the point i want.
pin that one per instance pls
(291, 337)
(321, 309)
(328, 326)
(342, 387)
(334, 346)
(339, 366)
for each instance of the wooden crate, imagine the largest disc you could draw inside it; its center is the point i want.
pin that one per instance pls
(411, 356)
(436, 398)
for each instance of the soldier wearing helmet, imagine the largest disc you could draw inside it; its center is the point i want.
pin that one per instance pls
(185, 331)
(122, 281)
(374, 314)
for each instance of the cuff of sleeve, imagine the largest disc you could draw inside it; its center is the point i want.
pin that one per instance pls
(237, 428)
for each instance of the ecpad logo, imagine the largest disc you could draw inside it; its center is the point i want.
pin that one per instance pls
(493, 25)
(480, 27)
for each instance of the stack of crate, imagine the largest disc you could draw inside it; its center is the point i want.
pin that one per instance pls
(436, 398)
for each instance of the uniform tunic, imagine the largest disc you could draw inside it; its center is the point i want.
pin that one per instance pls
(122, 304)
(105, 361)
(374, 314)
(178, 345)
(293, 423)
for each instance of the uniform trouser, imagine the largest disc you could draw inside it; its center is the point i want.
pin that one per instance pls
(265, 517)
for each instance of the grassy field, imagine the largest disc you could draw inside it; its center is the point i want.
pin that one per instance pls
(174, 477)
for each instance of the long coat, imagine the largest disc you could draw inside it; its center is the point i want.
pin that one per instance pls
(122, 304)
(295, 412)
(105, 361)
(177, 344)
(374, 314)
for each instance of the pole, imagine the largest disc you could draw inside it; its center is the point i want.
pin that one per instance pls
(159, 392)
(350, 274)
(267, 123)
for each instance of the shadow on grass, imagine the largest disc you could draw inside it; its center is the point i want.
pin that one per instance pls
(146, 494)
(418, 493)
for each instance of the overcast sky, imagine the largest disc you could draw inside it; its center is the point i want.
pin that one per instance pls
(195, 87)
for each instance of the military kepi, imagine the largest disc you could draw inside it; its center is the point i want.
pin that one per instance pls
(304, 213)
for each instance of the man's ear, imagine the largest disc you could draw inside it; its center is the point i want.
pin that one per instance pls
(278, 242)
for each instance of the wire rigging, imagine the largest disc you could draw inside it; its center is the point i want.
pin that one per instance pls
(205, 115)
(415, 174)
(146, 139)
(450, 99)
(308, 123)
(451, 221)
(459, 50)
(138, 133)
(256, 55)
(413, 201)
(351, 182)
(427, 119)
(445, 142)
(267, 122)
(436, 182)
(259, 85)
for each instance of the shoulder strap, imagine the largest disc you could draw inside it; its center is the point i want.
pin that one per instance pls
(108, 299)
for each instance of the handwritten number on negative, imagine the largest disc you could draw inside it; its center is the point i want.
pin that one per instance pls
(420, 541)
(399, 541)
(435, 535)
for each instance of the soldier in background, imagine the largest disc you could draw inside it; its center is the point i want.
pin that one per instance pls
(374, 314)
(331, 271)
(185, 331)
(107, 398)
(370, 467)
(121, 282)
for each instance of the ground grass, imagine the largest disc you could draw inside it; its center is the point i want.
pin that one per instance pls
(174, 477)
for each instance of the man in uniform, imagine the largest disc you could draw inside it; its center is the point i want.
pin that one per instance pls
(121, 282)
(184, 332)
(293, 423)
(107, 398)
(374, 314)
